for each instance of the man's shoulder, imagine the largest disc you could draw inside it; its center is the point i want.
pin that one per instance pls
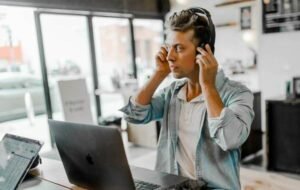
(232, 86)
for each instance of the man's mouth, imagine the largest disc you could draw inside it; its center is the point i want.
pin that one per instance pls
(173, 67)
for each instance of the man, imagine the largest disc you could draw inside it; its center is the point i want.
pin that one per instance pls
(207, 117)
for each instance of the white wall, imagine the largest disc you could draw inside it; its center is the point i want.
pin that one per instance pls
(279, 61)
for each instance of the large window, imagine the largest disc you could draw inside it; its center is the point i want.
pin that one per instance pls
(114, 61)
(67, 51)
(67, 55)
(22, 106)
(148, 35)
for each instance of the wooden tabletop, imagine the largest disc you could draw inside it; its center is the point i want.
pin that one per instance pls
(50, 175)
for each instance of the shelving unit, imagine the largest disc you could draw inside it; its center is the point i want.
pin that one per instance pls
(232, 2)
(226, 24)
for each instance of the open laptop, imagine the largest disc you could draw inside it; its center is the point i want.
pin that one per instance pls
(17, 154)
(94, 158)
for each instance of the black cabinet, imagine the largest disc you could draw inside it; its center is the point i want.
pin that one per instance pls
(254, 142)
(283, 135)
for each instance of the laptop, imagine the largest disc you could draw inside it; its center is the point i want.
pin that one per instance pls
(17, 154)
(94, 158)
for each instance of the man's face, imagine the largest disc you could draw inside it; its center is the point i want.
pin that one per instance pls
(181, 54)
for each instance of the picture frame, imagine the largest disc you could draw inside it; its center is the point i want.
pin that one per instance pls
(296, 87)
(245, 18)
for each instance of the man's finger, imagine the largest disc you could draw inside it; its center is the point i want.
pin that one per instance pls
(164, 49)
(204, 59)
(207, 47)
(211, 55)
(161, 57)
(207, 55)
(202, 51)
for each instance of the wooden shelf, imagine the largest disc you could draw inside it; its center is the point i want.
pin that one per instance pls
(227, 24)
(232, 2)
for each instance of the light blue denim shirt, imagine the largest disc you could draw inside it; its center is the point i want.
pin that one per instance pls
(218, 149)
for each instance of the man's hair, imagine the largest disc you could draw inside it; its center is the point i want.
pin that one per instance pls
(187, 20)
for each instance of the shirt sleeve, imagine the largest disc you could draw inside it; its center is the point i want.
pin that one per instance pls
(231, 129)
(139, 114)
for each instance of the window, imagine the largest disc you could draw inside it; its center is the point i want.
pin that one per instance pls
(148, 35)
(67, 55)
(114, 61)
(22, 110)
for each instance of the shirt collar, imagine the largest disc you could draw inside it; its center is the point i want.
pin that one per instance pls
(182, 95)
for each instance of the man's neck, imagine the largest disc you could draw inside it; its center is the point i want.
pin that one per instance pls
(193, 90)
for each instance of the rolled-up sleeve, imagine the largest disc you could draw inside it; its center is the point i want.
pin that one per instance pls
(139, 114)
(231, 129)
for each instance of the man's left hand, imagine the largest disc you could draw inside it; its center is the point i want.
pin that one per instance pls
(208, 67)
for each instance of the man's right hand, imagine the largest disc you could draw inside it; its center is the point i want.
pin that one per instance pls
(162, 70)
(162, 65)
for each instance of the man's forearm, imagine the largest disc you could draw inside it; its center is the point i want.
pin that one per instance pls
(213, 101)
(145, 94)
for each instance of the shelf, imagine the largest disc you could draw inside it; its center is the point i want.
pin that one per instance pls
(232, 2)
(227, 24)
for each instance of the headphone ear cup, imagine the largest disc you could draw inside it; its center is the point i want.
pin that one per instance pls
(205, 38)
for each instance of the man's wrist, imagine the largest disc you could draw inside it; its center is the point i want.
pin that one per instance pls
(161, 74)
(208, 87)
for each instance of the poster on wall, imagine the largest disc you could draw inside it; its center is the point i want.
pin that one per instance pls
(245, 21)
(281, 15)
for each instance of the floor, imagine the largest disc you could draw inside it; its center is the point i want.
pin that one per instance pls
(252, 177)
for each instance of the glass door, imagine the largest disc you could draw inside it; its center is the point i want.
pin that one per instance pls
(67, 55)
(114, 61)
(22, 105)
(148, 36)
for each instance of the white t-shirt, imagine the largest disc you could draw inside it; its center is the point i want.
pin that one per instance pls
(189, 128)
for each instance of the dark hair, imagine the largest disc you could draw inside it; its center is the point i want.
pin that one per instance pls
(187, 20)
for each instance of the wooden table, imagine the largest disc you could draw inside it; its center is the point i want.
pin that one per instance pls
(50, 175)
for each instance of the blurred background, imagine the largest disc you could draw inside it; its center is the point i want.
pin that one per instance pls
(112, 44)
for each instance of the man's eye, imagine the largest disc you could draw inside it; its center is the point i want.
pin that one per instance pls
(179, 48)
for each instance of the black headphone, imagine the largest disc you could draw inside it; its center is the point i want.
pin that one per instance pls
(211, 34)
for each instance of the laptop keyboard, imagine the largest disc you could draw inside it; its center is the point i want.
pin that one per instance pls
(10, 176)
(142, 185)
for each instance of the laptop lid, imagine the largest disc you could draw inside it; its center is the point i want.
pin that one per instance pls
(16, 157)
(93, 156)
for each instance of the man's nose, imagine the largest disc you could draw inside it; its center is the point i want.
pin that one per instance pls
(171, 54)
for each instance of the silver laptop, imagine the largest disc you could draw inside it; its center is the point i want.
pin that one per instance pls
(17, 154)
(94, 158)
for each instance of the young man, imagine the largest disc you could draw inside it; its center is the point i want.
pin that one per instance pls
(206, 118)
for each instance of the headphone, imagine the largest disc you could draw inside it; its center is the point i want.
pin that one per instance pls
(211, 34)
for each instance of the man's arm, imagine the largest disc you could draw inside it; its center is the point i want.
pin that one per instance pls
(228, 126)
(144, 107)
(144, 95)
(231, 129)
(207, 76)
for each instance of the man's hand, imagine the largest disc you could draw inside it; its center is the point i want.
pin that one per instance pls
(162, 70)
(208, 67)
(162, 65)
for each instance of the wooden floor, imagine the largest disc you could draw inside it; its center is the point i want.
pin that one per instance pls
(252, 179)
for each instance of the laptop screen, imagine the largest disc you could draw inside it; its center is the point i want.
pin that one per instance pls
(16, 156)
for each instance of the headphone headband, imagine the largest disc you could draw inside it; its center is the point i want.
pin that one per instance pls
(201, 12)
